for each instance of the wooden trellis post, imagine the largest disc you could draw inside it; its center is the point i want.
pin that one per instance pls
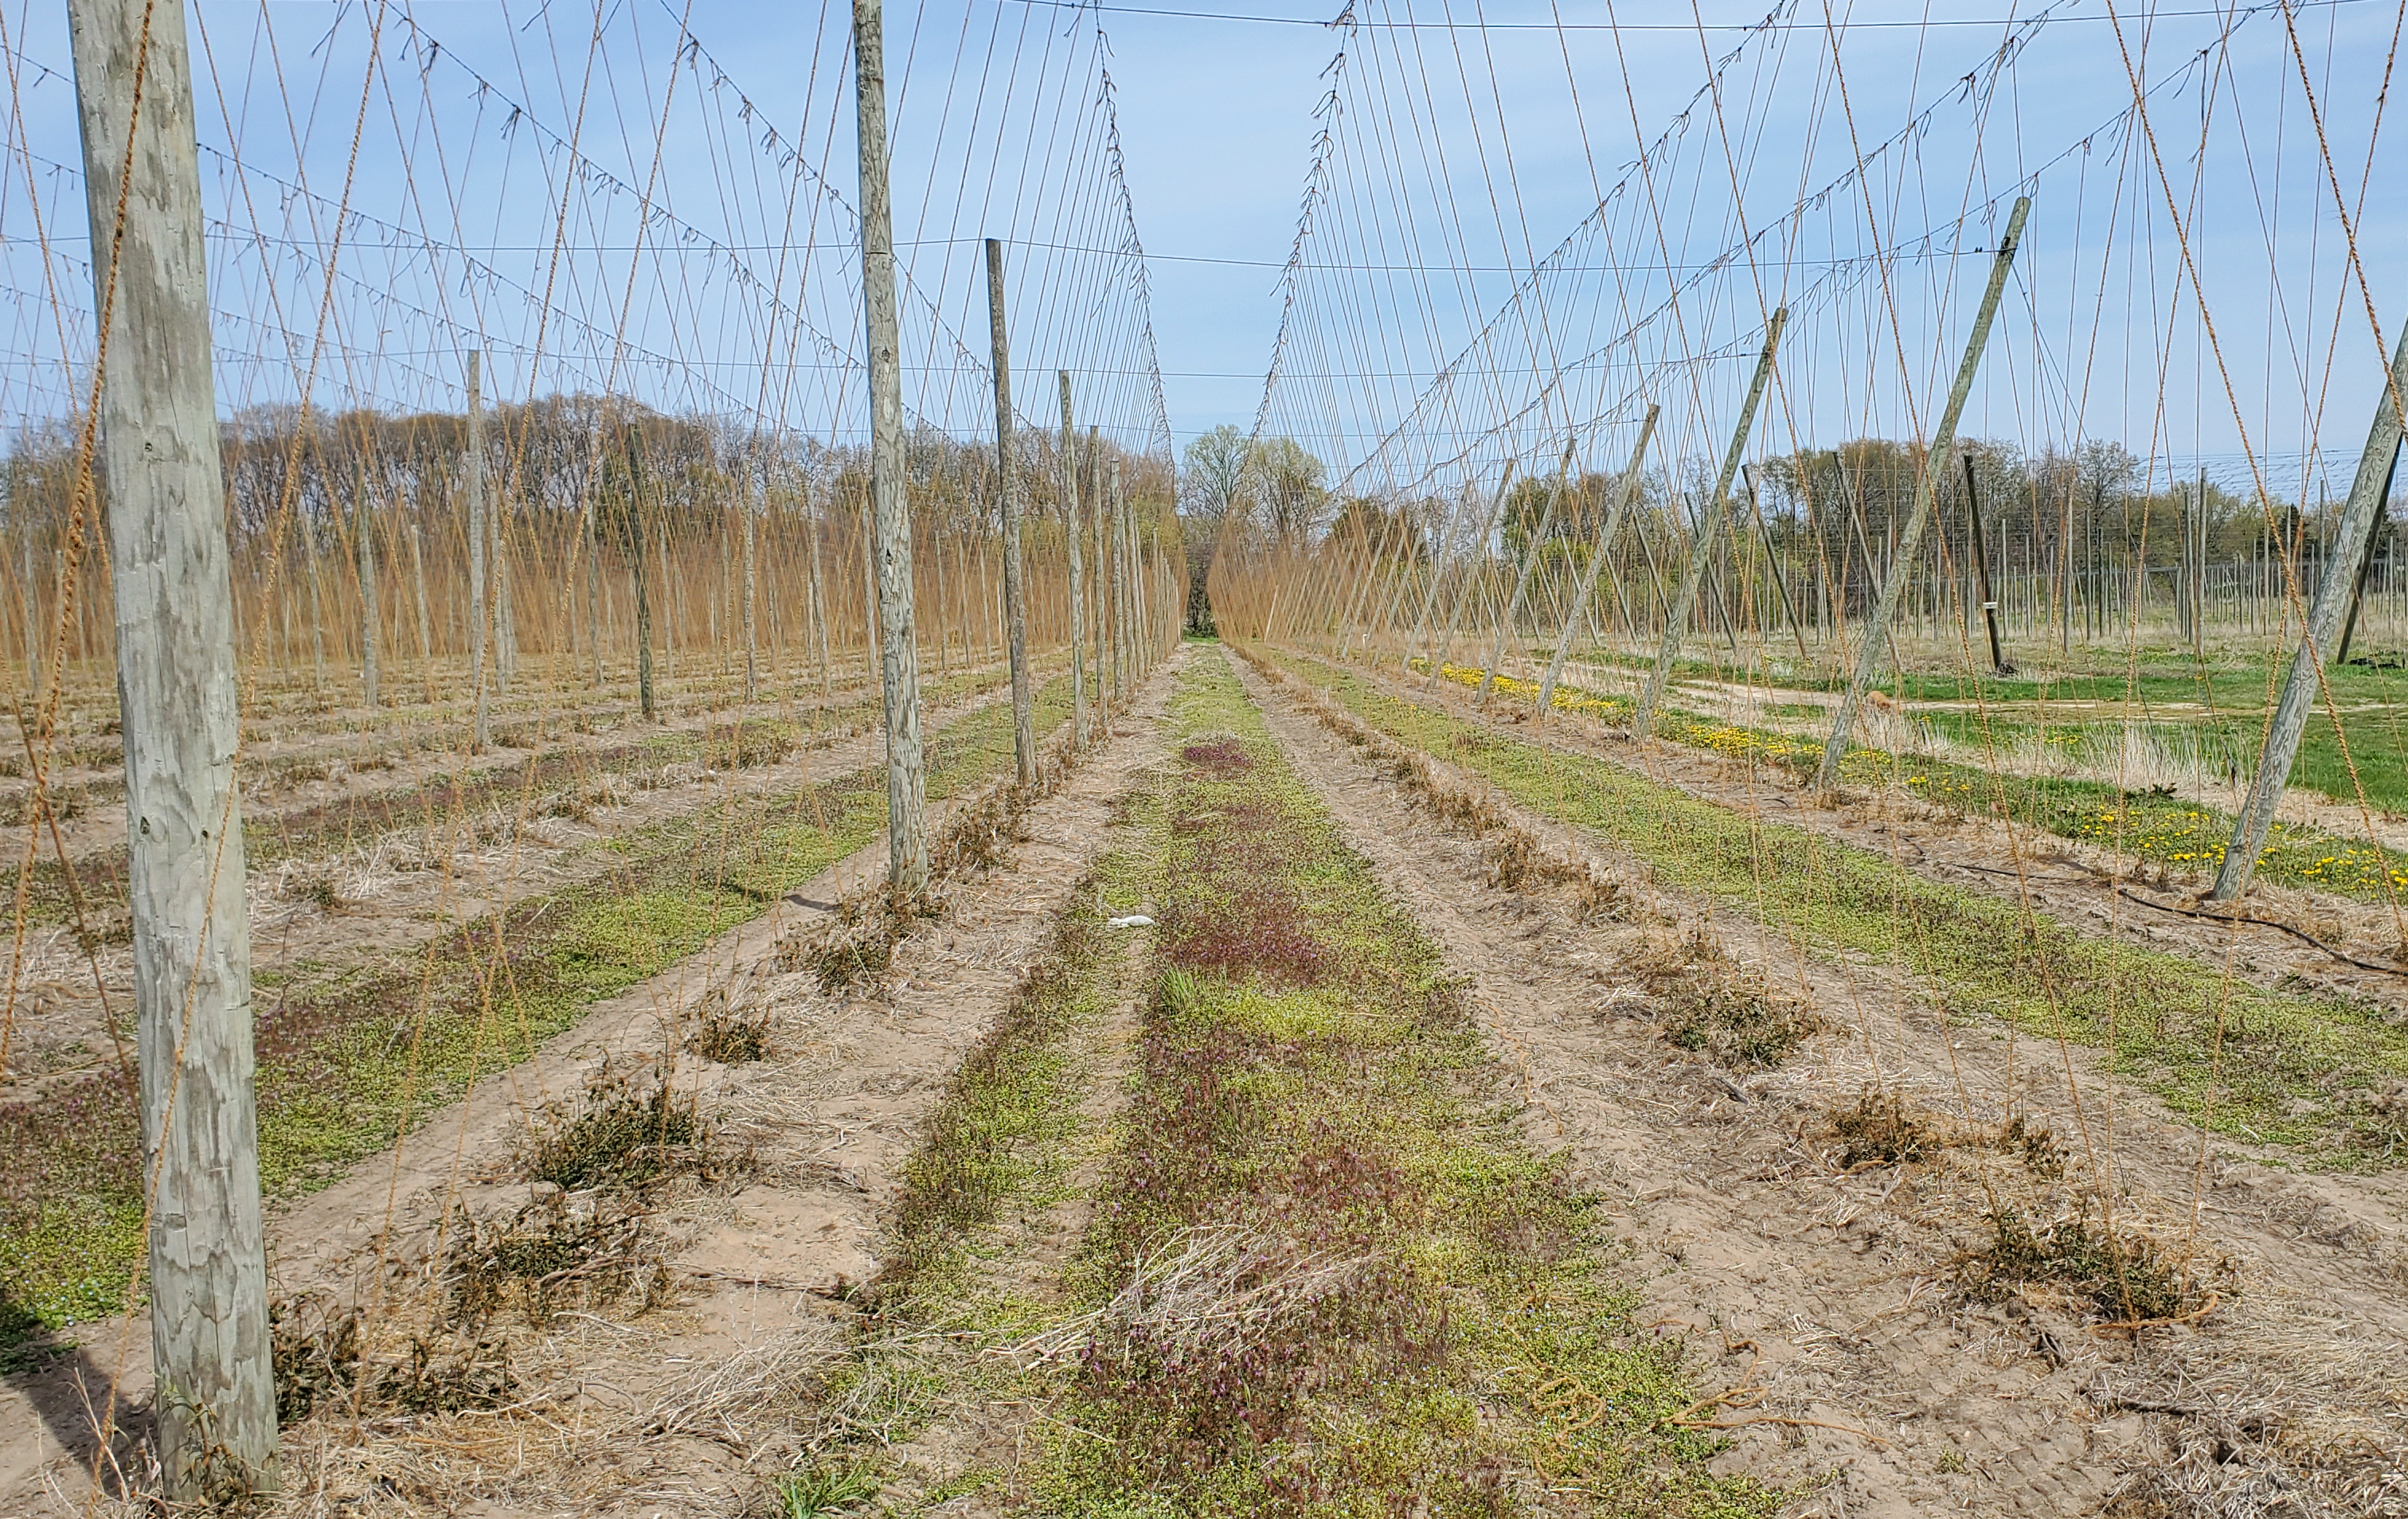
(1625, 493)
(1710, 526)
(2356, 539)
(1023, 716)
(1902, 564)
(907, 841)
(172, 587)
(1077, 590)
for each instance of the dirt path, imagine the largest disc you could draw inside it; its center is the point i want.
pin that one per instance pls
(2074, 882)
(319, 919)
(1827, 1295)
(678, 1408)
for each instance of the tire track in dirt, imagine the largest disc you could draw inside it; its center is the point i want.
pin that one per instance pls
(830, 1120)
(1833, 1292)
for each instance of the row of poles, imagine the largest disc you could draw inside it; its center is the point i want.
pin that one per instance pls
(152, 436)
(1359, 617)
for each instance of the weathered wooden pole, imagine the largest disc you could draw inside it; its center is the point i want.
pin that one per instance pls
(1999, 664)
(907, 843)
(2367, 496)
(819, 591)
(1015, 607)
(425, 613)
(594, 589)
(644, 699)
(159, 465)
(1710, 527)
(1625, 493)
(480, 735)
(1902, 564)
(506, 630)
(317, 606)
(1116, 519)
(2365, 565)
(751, 644)
(1078, 590)
(368, 611)
(1530, 551)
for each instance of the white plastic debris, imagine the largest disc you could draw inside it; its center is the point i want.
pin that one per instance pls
(1135, 919)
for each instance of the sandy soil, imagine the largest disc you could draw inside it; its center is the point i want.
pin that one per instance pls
(398, 887)
(678, 1409)
(1826, 1297)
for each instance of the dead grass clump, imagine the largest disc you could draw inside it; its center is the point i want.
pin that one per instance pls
(313, 888)
(558, 1252)
(2120, 1276)
(317, 1353)
(748, 746)
(730, 1038)
(1519, 863)
(621, 1133)
(1719, 1008)
(1882, 1130)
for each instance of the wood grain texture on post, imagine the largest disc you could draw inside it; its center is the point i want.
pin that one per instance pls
(889, 511)
(171, 577)
(1024, 718)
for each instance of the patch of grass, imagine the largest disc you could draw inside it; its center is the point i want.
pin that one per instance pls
(2262, 1066)
(824, 1490)
(1325, 1275)
(617, 1133)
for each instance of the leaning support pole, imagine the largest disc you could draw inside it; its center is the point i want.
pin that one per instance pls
(1902, 564)
(1015, 615)
(1710, 527)
(1530, 551)
(1624, 494)
(907, 779)
(171, 576)
(1078, 588)
(2334, 596)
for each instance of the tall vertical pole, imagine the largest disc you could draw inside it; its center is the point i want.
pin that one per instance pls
(1902, 564)
(1015, 613)
(593, 593)
(1999, 664)
(425, 613)
(751, 645)
(819, 591)
(1116, 519)
(644, 701)
(1078, 590)
(907, 843)
(506, 631)
(1531, 548)
(368, 608)
(1624, 494)
(174, 600)
(1710, 526)
(480, 735)
(2359, 517)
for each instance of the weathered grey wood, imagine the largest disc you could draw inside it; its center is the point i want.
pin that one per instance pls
(1710, 527)
(173, 591)
(317, 608)
(481, 734)
(506, 632)
(2358, 593)
(1116, 519)
(645, 701)
(1999, 664)
(425, 613)
(1522, 572)
(1901, 564)
(1078, 588)
(907, 844)
(1624, 494)
(1016, 612)
(593, 592)
(751, 645)
(819, 590)
(2367, 496)
(368, 611)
